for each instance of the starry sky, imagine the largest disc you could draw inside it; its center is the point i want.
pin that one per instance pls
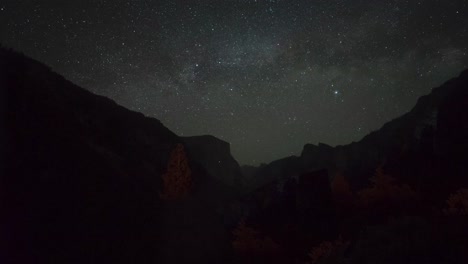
(267, 76)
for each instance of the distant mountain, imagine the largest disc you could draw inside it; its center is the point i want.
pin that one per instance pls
(81, 178)
(215, 155)
(427, 147)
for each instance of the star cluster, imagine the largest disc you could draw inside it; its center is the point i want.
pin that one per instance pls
(267, 76)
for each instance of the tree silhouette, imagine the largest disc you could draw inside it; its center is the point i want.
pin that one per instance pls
(327, 249)
(247, 241)
(384, 189)
(177, 181)
(457, 203)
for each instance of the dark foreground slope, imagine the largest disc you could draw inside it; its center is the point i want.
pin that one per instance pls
(81, 177)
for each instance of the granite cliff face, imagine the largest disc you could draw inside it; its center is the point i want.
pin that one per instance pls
(215, 156)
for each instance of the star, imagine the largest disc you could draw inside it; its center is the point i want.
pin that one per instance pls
(264, 64)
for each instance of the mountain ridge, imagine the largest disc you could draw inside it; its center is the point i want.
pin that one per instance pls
(402, 134)
(81, 178)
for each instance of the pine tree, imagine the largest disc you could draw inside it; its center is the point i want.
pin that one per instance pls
(386, 190)
(248, 241)
(177, 181)
(331, 250)
(457, 203)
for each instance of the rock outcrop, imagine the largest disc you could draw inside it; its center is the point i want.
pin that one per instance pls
(215, 156)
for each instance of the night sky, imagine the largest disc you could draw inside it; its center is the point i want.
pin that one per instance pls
(266, 76)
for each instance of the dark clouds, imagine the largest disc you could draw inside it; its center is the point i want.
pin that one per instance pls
(267, 76)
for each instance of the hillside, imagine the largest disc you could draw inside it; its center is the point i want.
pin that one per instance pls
(427, 147)
(399, 195)
(81, 178)
(84, 180)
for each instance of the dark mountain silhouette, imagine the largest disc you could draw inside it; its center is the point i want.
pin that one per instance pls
(388, 197)
(82, 182)
(81, 178)
(427, 147)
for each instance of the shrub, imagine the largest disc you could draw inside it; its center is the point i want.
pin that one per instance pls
(457, 203)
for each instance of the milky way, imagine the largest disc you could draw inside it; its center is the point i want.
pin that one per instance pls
(266, 76)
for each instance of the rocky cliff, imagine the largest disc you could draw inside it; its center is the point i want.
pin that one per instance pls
(215, 156)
